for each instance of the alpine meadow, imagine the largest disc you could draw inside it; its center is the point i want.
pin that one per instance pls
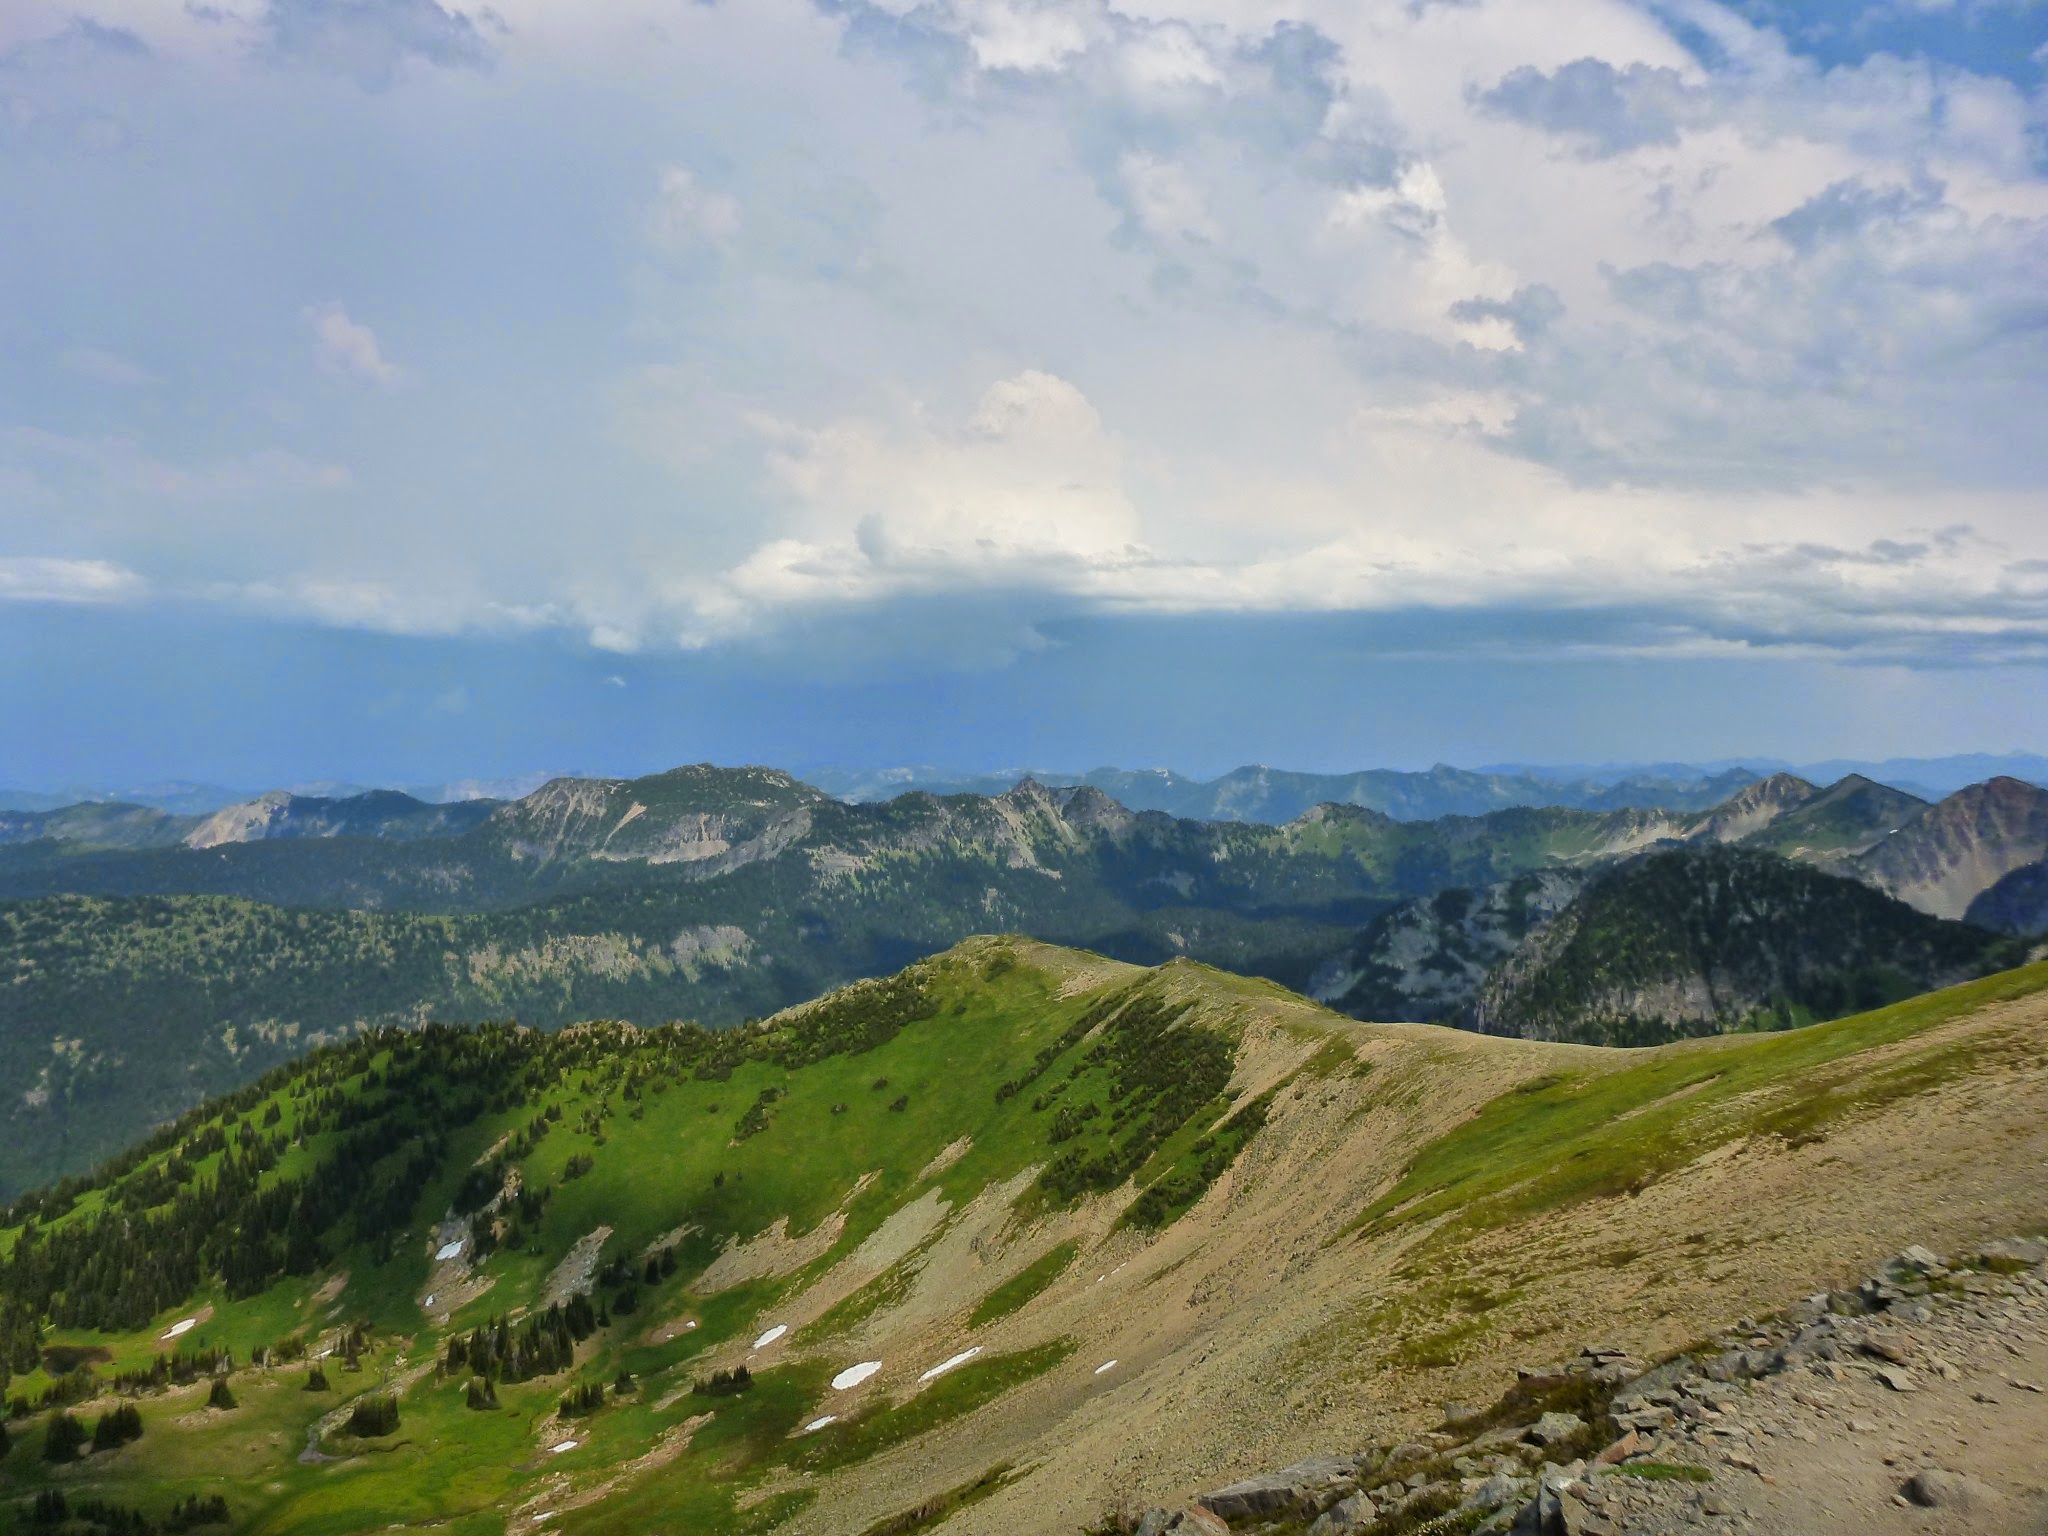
(1023, 768)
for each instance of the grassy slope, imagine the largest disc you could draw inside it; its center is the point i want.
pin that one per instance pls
(667, 1159)
(122, 1011)
(1575, 1132)
(1565, 1138)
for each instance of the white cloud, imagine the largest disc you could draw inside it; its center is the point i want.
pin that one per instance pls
(41, 579)
(1165, 198)
(1124, 305)
(688, 215)
(347, 348)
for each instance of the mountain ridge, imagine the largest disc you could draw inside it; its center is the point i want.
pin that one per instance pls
(909, 1210)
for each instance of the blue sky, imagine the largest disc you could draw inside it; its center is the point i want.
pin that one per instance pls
(397, 390)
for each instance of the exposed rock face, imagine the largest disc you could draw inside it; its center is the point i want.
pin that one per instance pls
(1753, 808)
(1424, 960)
(1956, 850)
(381, 813)
(694, 815)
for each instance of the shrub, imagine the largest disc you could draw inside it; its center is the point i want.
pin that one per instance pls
(63, 1438)
(220, 1396)
(116, 1428)
(724, 1383)
(374, 1416)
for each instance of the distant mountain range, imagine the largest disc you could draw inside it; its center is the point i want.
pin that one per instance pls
(1250, 793)
(155, 957)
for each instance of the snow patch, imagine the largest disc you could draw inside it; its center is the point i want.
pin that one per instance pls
(854, 1375)
(566, 1445)
(769, 1337)
(447, 1251)
(1107, 1365)
(944, 1366)
(183, 1325)
(820, 1423)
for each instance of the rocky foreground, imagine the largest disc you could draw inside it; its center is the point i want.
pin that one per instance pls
(1913, 1403)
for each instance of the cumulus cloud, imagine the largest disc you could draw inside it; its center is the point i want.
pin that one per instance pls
(989, 312)
(348, 349)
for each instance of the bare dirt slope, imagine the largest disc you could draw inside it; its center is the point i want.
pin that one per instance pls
(1268, 1324)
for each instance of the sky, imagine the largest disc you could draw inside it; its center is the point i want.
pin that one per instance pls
(393, 390)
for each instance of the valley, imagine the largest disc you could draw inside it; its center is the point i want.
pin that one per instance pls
(153, 959)
(1110, 1236)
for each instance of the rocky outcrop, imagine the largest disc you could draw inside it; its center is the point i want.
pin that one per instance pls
(1424, 960)
(1703, 1441)
(1958, 849)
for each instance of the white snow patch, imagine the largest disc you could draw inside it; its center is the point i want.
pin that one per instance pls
(182, 1326)
(820, 1423)
(566, 1445)
(448, 1250)
(769, 1337)
(1107, 1365)
(944, 1366)
(854, 1375)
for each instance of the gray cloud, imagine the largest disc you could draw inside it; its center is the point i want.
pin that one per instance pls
(370, 40)
(1608, 111)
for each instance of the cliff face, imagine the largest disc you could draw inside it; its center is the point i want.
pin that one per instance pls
(1962, 846)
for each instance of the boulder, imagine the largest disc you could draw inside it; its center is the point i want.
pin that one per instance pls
(1494, 1492)
(2012, 1251)
(1553, 1427)
(1918, 1261)
(1194, 1521)
(1346, 1515)
(1957, 1491)
(1291, 1490)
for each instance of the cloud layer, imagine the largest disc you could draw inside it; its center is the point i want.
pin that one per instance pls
(941, 322)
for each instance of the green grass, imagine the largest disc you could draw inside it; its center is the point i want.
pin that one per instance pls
(943, 1506)
(957, 1393)
(1025, 1284)
(1665, 1472)
(1557, 1141)
(662, 1155)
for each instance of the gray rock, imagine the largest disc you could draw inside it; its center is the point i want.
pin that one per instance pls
(1918, 1261)
(1345, 1516)
(2013, 1250)
(1152, 1522)
(1659, 1379)
(1291, 1490)
(1553, 1427)
(1898, 1378)
(1937, 1489)
(1494, 1492)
